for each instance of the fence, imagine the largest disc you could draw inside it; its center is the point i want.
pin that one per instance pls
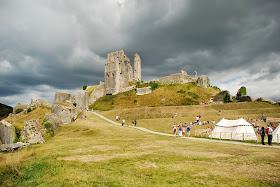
(233, 136)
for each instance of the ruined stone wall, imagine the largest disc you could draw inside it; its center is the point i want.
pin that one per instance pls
(97, 93)
(203, 81)
(81, 99)
(60, 96)
(7, 132)
(31, 132)
(143, 91)
(117, 72)
(137, 68)
(178, 78)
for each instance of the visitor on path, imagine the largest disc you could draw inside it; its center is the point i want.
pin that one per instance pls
(135, 122)
(117, 117)
(269, 135)
(123, 122)
(174, 130)
(180, 131)
(197, 119)
(188, 128)
(184, 131)
(220, 112)
(262, 133)
(214, 122)
(85, 115)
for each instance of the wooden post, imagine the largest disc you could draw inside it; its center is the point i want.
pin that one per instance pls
(243, 137)
(220, 135)
(278, 138)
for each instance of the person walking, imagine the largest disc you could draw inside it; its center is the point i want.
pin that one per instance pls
(188, 130)
(180, 131)
(269, 135)
(135, 123)
(174, 130)
(123, 122)
(262, 133)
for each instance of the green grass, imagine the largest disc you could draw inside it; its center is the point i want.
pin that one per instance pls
(19, 119)
(160, 118)
(164, 95)
(95, 153)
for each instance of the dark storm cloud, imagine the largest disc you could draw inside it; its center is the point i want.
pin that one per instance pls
(62, 45)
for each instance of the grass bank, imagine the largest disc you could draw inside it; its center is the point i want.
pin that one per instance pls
(165, 95)
(160, 118)
(95, 153)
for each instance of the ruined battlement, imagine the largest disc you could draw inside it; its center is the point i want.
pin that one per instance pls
(118, 72)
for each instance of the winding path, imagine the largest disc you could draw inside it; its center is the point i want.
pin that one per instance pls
(191, 138)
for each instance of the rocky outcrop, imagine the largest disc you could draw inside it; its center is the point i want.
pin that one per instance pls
(12, 147)
(7, 132)
(203, 81)
(81, 99)
(65, 112)
(143, 91)
(31, 132)
(265, 100)
(97, 93)
(62, 96)
(245, 98)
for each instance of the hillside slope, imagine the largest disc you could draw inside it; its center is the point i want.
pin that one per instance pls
(5, 110)
(166, 95)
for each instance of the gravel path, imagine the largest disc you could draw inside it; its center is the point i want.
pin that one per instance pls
(191, 138)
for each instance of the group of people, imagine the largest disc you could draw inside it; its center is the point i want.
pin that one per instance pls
(182, 129)
(134, 123)
(268, 131)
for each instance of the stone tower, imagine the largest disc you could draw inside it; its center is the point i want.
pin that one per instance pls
(118, 72)
(137, 68)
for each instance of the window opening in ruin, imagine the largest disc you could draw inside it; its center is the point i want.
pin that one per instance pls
(108, 74)
(113, 74)
(120, 72)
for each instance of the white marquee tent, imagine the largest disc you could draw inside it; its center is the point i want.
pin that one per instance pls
(233, 129)
(276, 135)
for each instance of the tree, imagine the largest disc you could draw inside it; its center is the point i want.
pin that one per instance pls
(84, 87)
(227, 98)
(243, 90)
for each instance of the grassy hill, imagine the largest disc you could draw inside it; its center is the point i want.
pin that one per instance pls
(18, 119)
(93, 152)
(160, 118)
(5, 110)
(165, 95)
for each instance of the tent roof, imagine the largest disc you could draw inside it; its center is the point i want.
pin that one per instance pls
(232, 123)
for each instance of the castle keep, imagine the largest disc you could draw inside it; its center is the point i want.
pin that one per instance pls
(118, 72)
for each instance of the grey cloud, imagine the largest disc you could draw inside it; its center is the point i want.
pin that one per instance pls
(63, 44)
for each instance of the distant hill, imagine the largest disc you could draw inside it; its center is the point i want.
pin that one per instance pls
(5, 110)
(164, 95)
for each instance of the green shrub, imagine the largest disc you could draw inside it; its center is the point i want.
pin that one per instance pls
(48, 126)
(193, 95)
(84, 87)
(17, 134)
(19, 110)
(243, 90)
(227, 98)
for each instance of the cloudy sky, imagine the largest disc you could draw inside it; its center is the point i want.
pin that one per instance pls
(48, 46)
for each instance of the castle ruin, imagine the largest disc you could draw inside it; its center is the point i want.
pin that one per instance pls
(119, 73)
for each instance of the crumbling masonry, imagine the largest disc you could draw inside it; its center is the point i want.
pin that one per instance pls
(118, 72)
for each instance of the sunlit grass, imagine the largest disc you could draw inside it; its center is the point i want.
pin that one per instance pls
(93, 152)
